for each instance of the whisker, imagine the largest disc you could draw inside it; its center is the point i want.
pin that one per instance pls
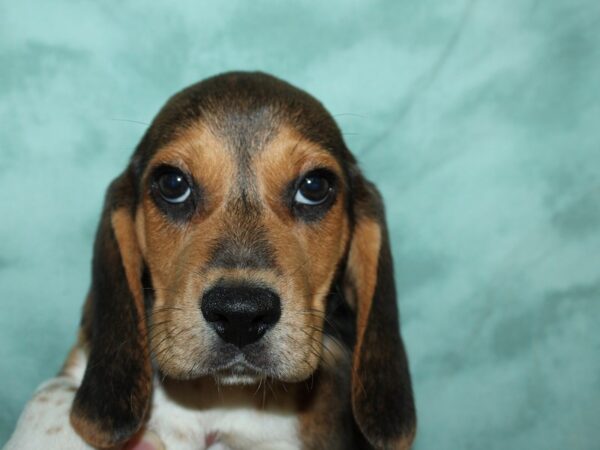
(129, 121)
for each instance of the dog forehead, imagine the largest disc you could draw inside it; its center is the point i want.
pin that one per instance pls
(245, 111)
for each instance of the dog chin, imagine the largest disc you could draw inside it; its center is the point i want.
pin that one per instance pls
(231, 379)
(238, 372)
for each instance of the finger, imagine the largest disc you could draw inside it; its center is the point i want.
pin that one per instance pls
(148, 441)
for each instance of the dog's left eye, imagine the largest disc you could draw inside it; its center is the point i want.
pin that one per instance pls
(173, 187)
(314, 189)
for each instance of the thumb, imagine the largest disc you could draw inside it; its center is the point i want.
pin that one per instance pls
(148, 440)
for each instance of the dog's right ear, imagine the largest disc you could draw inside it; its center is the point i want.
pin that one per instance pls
(113, 399)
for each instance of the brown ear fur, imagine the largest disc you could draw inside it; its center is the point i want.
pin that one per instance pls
(382, 398)
(113, 399)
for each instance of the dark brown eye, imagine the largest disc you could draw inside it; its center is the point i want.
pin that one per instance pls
(173, 186)
(314, 189)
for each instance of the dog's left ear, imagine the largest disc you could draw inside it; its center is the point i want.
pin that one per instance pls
(382, 398)
(112, 402)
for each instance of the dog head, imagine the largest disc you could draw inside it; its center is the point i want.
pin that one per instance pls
(240, 215)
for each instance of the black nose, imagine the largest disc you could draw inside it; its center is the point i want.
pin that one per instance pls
(241, 314)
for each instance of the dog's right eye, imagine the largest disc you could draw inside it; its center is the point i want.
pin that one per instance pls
(173, 186)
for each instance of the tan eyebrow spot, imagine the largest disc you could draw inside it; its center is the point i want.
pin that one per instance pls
(286, 157)
(203, 155)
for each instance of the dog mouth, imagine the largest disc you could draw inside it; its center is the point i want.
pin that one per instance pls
(238, 371)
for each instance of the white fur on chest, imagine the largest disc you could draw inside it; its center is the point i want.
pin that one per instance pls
(228, 417)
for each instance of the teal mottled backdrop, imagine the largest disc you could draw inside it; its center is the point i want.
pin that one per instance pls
(479, 120)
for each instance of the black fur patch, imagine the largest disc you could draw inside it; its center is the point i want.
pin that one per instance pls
(115, 392)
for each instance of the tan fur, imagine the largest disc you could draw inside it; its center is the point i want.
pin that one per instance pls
(406, 442)
(362, 262)
(128, 246)
(89, 430)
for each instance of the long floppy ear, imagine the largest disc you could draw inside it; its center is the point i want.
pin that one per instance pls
(113, 399)
(382, 398)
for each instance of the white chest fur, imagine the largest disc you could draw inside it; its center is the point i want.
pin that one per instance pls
(202, 415)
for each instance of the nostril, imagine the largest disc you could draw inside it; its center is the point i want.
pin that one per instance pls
(220, 318)
(219, 323)
(265, 320)
(213, 316)
(259, 320)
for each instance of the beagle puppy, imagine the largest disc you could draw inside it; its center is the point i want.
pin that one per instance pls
(242, 291)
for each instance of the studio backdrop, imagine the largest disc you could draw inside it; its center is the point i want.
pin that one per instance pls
(479, 120)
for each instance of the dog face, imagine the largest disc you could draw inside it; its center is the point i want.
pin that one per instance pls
(242, 233)
(240, 217)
